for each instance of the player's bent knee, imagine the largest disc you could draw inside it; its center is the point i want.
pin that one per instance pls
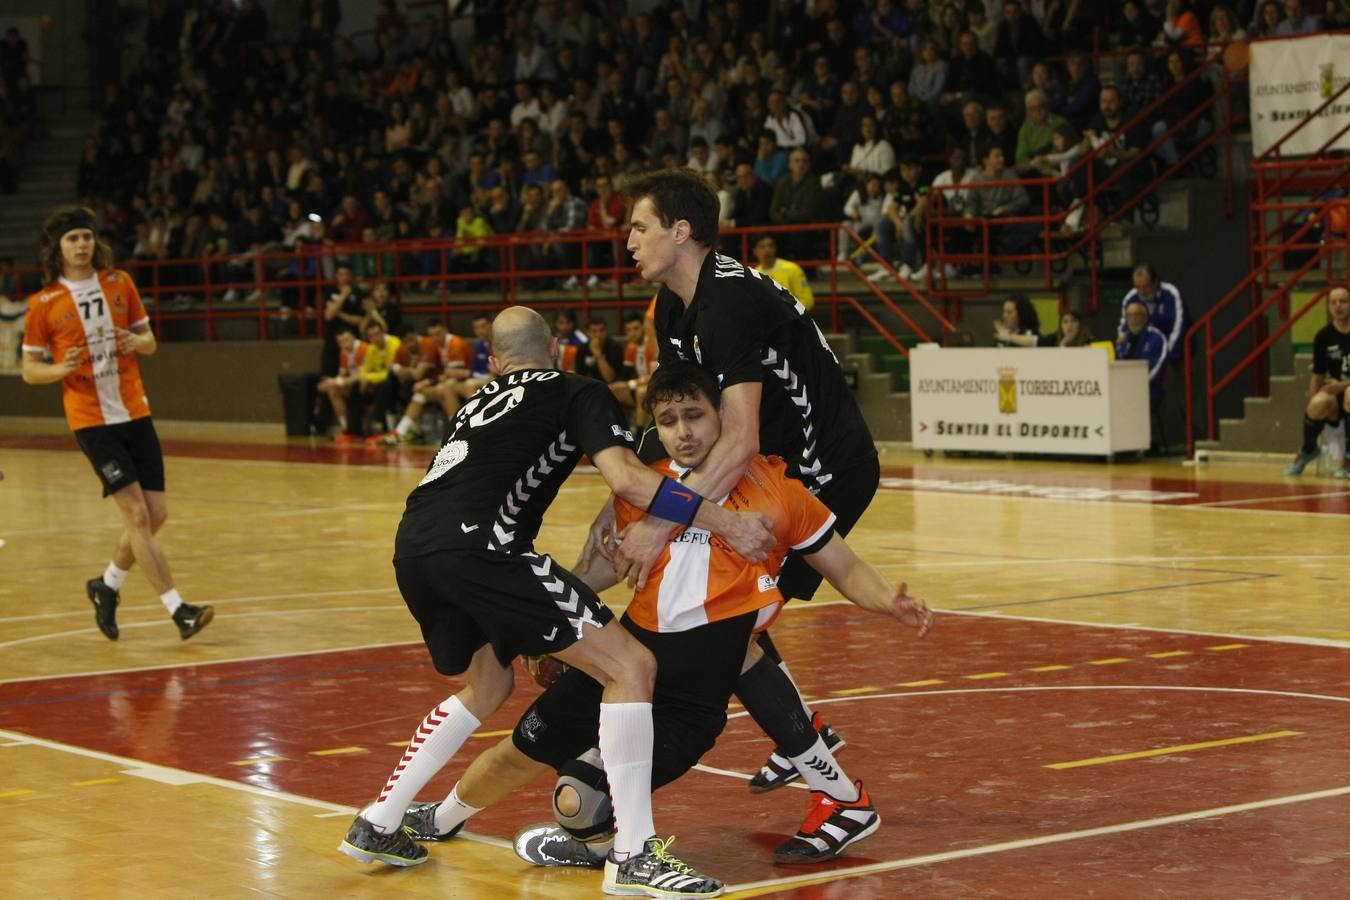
(581, 801)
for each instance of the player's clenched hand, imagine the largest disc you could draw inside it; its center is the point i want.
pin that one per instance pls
(911, 610)
(750, 534)
(601, 538)
(643, 542)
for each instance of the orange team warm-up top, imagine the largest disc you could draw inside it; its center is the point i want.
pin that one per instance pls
(698, 579)
(106, 389)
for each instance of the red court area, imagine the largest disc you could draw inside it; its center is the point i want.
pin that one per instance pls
(988, 748)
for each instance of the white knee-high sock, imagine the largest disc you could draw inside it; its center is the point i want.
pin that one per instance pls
(626, 747)
(453, 811)
(439, 737)
(822, 772)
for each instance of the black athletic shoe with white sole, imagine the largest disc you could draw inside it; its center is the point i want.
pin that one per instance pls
(830, 826)
(105, 601)
(420, 822)
(550, 846)
(656, 873)
(192, 619)
(778, 769)
(364, 844)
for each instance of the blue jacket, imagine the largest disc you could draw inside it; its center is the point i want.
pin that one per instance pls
(1152, 348)
(1166, 313)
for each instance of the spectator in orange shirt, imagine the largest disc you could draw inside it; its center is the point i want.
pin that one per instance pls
(640, 356)
(90, 322)
(448, 359)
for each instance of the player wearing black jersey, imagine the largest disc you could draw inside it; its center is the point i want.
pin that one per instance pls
(1328, 399)
(783, 392)
(465, 562)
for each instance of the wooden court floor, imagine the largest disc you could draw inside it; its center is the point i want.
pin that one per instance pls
(1139, 684)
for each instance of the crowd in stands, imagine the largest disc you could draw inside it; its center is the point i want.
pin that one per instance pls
(223, 143)
(18, 106)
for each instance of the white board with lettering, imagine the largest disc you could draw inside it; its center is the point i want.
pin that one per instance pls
(1035, 400)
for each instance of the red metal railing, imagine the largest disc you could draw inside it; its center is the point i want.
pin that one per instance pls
(1325, 252)
(284, 291)
(1053, 245)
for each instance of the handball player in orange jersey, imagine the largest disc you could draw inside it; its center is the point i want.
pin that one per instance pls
(89, 320)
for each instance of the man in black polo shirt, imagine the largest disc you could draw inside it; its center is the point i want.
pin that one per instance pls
(783, 393)
(601, 357)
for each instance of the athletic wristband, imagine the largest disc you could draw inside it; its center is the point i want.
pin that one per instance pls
(674, 502)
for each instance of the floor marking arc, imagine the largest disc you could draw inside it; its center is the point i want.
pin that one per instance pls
(776, 884)
(1164, 751)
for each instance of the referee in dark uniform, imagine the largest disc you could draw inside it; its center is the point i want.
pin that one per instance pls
(466, 566)
(783, 393)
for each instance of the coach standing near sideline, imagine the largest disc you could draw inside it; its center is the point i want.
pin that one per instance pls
(89, 317)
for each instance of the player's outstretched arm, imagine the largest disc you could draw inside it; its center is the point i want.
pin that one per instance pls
(750, 534)
(860, 582)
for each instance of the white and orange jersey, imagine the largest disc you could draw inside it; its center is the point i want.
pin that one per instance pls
(350, 360)
(642, 358)
(106, 389)
(699, 579)
(456, 352)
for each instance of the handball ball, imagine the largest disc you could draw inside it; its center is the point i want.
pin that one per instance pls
(45, 23)
(544, 669)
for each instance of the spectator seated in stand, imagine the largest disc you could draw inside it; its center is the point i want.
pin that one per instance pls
(901, 223)
(798, 199)
(602, 357)
(1328, 399)
(1008, 198)
(1073, 332)
(1036, 135)
(372, 394)
(862, 212)
(442, 359)
(570, 339)
(641, 354)
(783, 271)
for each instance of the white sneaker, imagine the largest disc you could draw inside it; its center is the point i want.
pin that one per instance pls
(593, 281)
(904, 271)
(950, 271)
(920, 274)
(572, 283)
(253, 296)
(879, 275)
(230, 296)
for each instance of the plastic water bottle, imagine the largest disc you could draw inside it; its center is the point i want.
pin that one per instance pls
(1332, 445)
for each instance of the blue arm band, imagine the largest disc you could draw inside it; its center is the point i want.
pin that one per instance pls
(674, 502)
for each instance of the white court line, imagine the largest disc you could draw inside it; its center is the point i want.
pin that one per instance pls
(1140, 505)
(170, 775)
(1298, 695)
(730, 773)
(255, 598)
(1023, 561)
(1041, 841)
(159, 623)
(1221, 503)
(211, 662)
(1017, 617)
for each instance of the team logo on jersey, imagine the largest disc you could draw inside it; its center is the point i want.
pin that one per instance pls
(767, 583)
(451, 455)
(619, 431)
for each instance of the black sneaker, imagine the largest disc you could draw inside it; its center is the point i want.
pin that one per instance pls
(105, 601)
(778, 769)
(192, 619)
(364, 844)
(656, 873)
(549, 845)
(420, 822)
(830, 826)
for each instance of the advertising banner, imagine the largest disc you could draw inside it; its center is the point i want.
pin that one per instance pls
(1043, 400)
(1291, 77)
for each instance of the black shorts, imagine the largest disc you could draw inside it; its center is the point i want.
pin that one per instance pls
(696, 674)
(523, 604)
(124, 454)
(847, 495)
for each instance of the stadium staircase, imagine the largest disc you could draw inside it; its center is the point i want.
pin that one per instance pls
(1249, 357)
(46, 180)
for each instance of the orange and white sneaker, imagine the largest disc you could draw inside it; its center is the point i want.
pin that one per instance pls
(830, 826)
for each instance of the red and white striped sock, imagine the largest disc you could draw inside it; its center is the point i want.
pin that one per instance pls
(439, 737)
